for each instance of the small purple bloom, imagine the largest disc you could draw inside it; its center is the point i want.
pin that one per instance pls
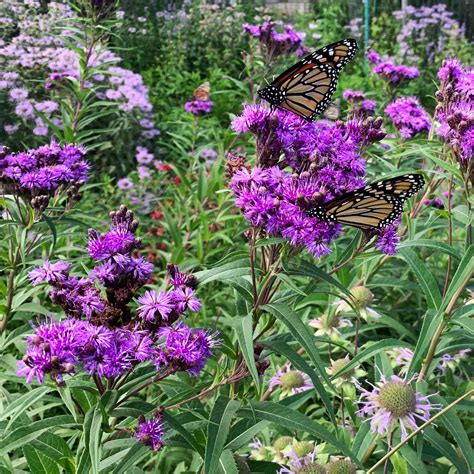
(155, 306)
(125, 184)
(151, 433)
(199, 107)
(50, 273)
(408, 116)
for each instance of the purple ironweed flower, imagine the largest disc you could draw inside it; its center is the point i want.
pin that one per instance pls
(101, 335)
(125, 184)
(387, 239)
(353, 96)
(408, 116)
(44, 171)
(325, 159)
(373, 57)
(155, 306)
(10, 129)
(199, 107)
(209, 154)
(50, 273)
(151, 432)
(274, 43)
(393, 403)
(185, 348)
(18, 94)
(392, 73)
(436, 202)
(290, 381)
(455, 109)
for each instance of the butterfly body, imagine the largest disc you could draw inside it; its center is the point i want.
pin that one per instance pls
(307, 87)
(374, 206)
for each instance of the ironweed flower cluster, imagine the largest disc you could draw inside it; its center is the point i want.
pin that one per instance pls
(408, 116)
(390, 72)
(39, 174)
(325, 162)
(359, 105)
(274, 43)
(199, 107)
(455, 109)
(102, 335)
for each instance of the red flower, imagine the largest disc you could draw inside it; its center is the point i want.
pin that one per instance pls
(156, 215)
(177, 180)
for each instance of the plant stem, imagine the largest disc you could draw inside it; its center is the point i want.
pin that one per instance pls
(421, 428)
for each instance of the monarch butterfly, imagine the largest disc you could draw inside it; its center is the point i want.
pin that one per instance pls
(307, 87)
(202, 92)
(373, 206)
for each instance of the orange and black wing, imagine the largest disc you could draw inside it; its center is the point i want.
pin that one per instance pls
(372, 207)
(307, 87)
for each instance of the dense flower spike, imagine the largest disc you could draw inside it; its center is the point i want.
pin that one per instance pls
(38, 174)
(101, 336)
(392, 403)
(408, 116)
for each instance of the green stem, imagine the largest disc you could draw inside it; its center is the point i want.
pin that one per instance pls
(418, 430)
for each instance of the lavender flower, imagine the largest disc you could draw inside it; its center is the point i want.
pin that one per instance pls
(401, 357)
(387, 239)
(408, 116)
(392, 403)
(290, 381)
(452, 361)
(199, 107)
(125, 184)
(301, 458)
(50, 273)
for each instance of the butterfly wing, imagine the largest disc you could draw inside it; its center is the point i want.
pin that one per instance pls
(307, 87)
(372, 207)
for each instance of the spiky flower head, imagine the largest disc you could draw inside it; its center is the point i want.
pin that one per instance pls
(393, 402)
(290, 381)
(362, 297)
(341, 466)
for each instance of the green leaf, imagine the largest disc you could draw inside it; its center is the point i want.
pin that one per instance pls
(38, 462)
(243, 329)
(430, 244)
(19, 437)
(415, 463)
(22, 403)
(425, 278)
(184, 432)
(367, 351)
(440, 443)
(218, 429)
(461, 277)
(93, 436)
(299, 363)
(227, 463)
(133, 456)
(242, 432)
(289, 418)
(455, 427)
(233, 269)
(399, 464)
(308, 269)
(263, 467)
(54, 447)
(301, 333)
